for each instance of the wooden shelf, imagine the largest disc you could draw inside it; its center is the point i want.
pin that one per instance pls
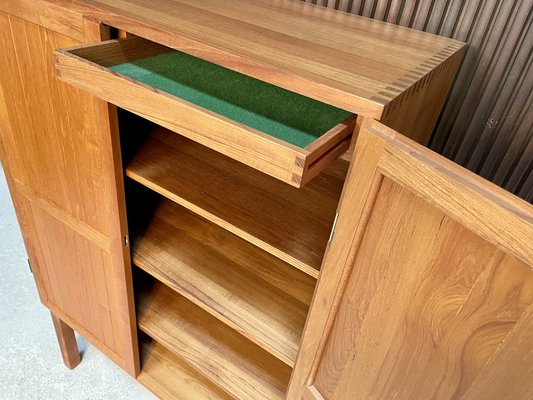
(238, 366)
(257, 294)
(168, 377)
(292, 224)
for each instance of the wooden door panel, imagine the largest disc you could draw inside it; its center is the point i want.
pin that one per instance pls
(417, 314)
(77, 280)
(423, 287)
(62, 160)
(54, 146)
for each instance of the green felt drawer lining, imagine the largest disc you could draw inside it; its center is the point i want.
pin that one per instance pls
(285, 115)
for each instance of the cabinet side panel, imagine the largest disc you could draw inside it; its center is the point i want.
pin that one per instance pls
(64, 168)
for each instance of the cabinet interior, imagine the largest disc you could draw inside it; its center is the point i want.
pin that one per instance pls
(218, 244)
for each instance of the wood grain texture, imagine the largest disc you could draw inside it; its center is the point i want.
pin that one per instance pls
(330, 285)
(84, 211)
(489, 211)
(500, 378)
(417, 115)
(60, 16)
(423, 296)
(354, 70)
(311, 393)
(84, 67)
(487, 124)
(67, 343)
(66, 188)
(74, 282)
(21, 211)
(252, 291)
(73, 222)
(33, 116)
(291, 224)
(168, 377)
(427, 330)
(219, 353)
(479, 111)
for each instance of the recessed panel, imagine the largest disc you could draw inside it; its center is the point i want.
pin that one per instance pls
(427, 304)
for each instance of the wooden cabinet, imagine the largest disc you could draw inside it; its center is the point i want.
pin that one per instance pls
(190, 230)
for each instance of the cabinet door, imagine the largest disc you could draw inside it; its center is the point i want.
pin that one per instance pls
(426, 291)
(62, 160)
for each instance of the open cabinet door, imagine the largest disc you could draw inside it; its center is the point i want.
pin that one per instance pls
(426, 290)
(61, 157)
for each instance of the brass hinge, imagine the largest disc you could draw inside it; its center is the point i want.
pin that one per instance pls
(333, 229)
(29, 265)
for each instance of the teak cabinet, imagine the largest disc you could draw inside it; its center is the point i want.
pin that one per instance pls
(228, 200)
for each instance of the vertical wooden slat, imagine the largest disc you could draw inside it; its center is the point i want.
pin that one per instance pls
(394, 11)
(381, 9)
(517, 86)
(408, 13)
(527, 190)
(473, 16)
(421, 14)
(485, 125)
(437, 15)
(357, 6)
(521, 157)
(344, 5)
(506, 25)
(368, 8)
(451, 18)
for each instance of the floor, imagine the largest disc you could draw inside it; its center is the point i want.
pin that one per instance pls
(30, 363)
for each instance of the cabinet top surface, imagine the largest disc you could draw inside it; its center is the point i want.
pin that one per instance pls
(356, 63)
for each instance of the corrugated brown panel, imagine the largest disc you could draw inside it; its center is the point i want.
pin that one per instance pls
(487, 124)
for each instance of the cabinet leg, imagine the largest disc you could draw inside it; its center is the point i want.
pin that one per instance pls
(67, 343)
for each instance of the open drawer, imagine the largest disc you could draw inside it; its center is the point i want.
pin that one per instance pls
(281, 133)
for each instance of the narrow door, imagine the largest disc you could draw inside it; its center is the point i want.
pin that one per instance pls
(62, 160)
(426, 291)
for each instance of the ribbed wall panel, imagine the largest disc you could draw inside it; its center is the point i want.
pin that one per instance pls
(487, 124)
